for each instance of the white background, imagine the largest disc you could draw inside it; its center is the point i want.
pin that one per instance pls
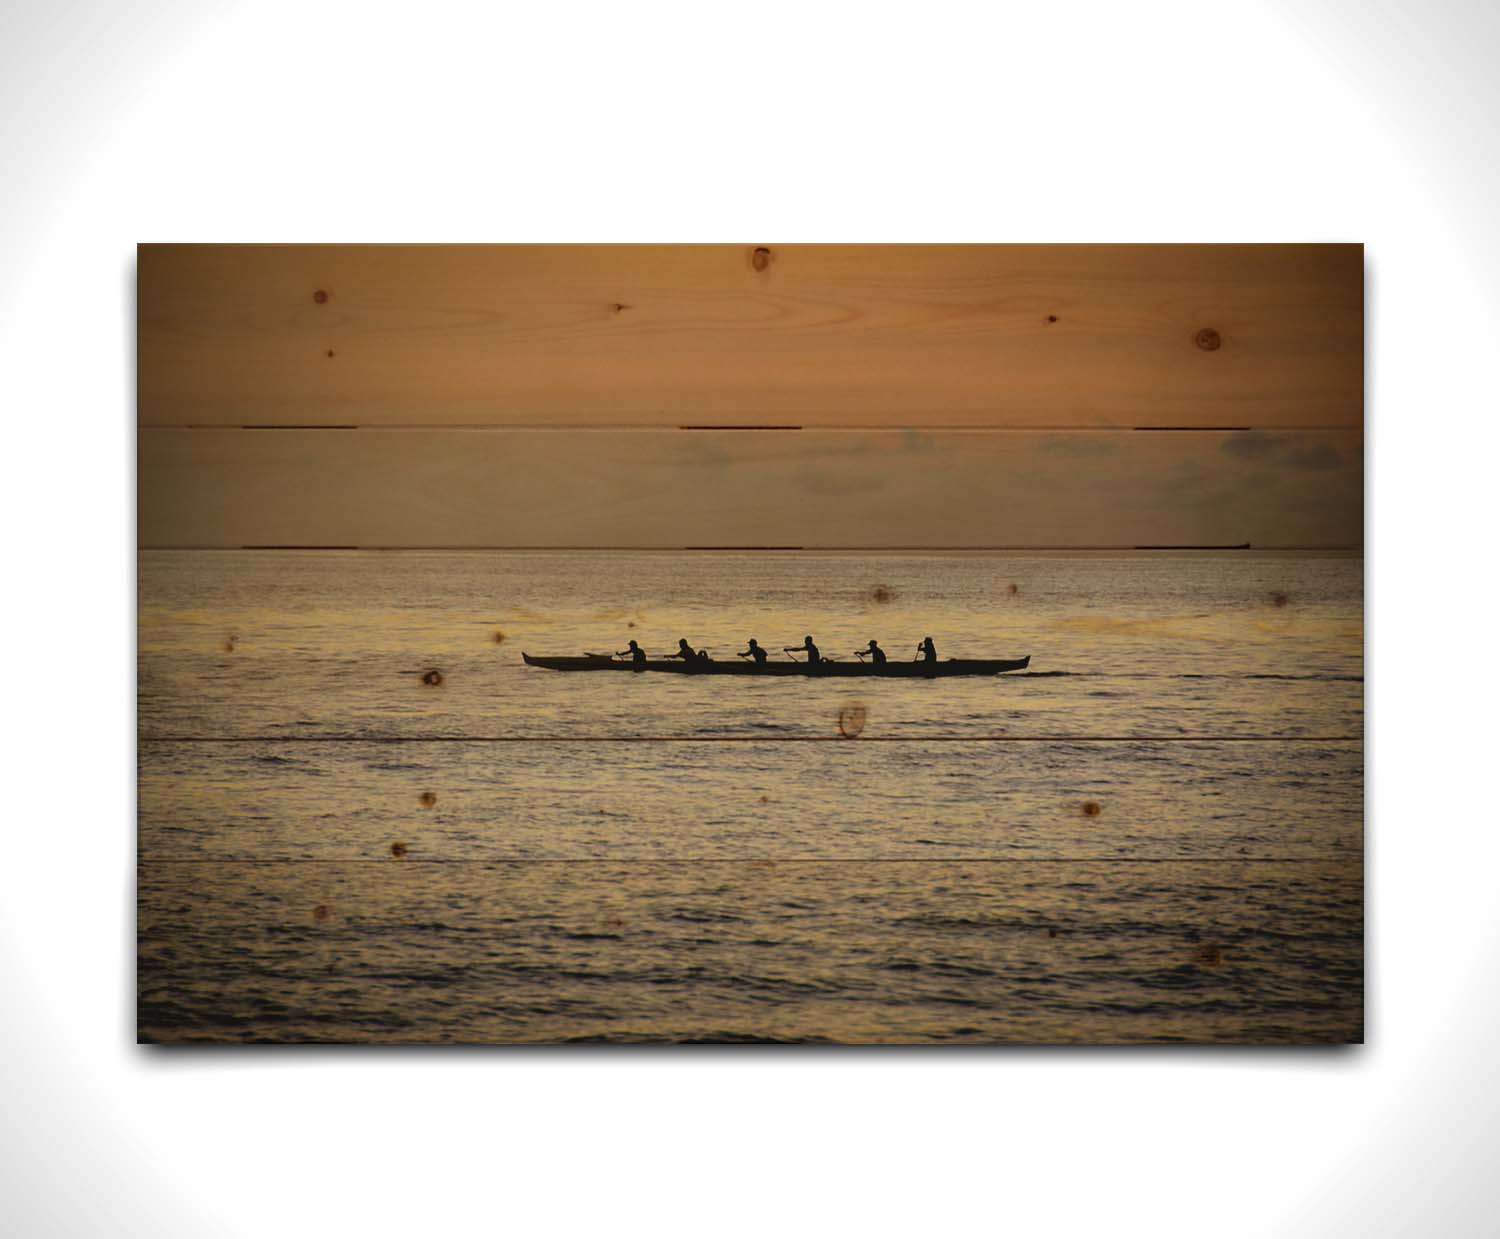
(771, 122)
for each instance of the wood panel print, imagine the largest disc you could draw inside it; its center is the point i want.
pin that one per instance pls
(831, 644)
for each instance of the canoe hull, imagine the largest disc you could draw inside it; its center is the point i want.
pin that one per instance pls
(824, 670)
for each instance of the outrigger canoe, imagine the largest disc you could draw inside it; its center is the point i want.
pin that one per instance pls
(888, 670)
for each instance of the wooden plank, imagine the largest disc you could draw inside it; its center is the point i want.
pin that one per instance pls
(1249, 952)
(309, 696)
(464, 801)
(675, 489)
(813, 335)
(287, 644)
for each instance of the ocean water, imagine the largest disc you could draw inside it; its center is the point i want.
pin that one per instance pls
(363, 819)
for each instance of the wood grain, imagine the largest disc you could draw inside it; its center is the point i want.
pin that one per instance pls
(436, 801)
(676, 489)
(812, 335)
(338, 644)
(362, 819)
(987, 952)
(491, 696)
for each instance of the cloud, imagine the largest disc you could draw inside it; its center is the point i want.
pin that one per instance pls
(1319, 456)
(814, 481)
(1079, 445)
(1252, 445)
